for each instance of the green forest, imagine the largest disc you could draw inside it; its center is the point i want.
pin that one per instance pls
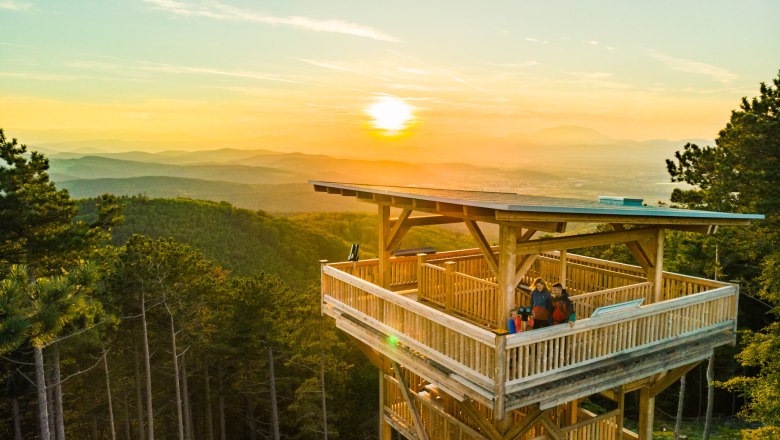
(143, 318)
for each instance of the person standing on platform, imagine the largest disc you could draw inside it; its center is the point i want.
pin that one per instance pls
(541, 305)
(563, 308)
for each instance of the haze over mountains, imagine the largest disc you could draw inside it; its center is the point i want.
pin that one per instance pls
(564, 161)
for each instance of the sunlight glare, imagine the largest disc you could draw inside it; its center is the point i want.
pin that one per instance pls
(390, 114)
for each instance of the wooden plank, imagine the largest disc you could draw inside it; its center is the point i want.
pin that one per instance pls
(482, 423)
(499, 389)
(516, 216)
(446, 381)
(584, 240)
(699, 229)
(418, 424)
(482, 244)
(456, 367)
(397, 230)
(670, 378)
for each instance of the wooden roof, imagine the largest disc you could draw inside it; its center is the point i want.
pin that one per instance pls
(504, 207)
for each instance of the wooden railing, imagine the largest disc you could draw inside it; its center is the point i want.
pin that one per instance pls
(603, 427)
(676, 285)
(539, 352)
(580, 278)
(459, 345)
(586, 303)
(457, 293)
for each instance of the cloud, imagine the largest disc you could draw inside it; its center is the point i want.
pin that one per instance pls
(681, 64)
(171, 68)
(221, 11)
(328, 65)
(10, 5)
(536, 40)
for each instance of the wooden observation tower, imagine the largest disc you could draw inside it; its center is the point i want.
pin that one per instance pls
(436, 325)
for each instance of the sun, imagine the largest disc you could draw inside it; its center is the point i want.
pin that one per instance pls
(390, 114)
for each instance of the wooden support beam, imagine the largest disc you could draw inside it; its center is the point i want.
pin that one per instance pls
(418, 424)
(553, 431)
(699, 229)
(524, 266)
(527, 235)
(482, 423)
(585, 240)
(397, 230)
(519, 430)
(385, 430)
(646, 414)
(670, 378)
(427, 220)
(636, 250)
(621, 403)
(563, 274)
(556, 227)
(507, 265)
(482, 244)
(384, 254)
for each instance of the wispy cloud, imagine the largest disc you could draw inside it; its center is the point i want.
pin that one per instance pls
(221, 11)
(536, 40)
(171, 68)
(329, 65)
(10, 5)
(689, 66)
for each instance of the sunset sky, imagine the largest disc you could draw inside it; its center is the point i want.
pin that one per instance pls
(302, 75)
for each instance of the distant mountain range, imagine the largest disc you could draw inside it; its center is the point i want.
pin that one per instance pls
(564, 161)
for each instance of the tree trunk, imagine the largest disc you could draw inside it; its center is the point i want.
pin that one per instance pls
(139, 394)
(40, 382)
(680, 406)
(209, 412)
(127, 411)
(147, 360)
(108, 393)
(221, 403)
(710, 397)
(324, 397)
(250, 418)
(59, 413)
(50, 383)
(180, 418)
(17, 419)
(272, 387)
(187, 409)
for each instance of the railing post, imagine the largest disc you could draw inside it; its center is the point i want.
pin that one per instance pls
(449, 284)
(499, 374)
(420, 262)
(323, 283)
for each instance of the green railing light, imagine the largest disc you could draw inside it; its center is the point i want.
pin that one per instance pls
(392, 340)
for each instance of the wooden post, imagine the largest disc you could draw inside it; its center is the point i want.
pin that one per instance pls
(420, 262)
(499, 389)
(621, 395)
(564, 256)
(507, 265)
(449, 284)
(384, 253)
(659, 266)
(646, 414)
(323, 283)
(385, 430)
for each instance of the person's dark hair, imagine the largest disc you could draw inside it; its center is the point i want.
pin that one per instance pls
(558, 285)
(564, 293)
(539, 280)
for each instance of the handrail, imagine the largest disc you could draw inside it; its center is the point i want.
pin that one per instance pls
(412, 305)
(560, 348)
(610, 318)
